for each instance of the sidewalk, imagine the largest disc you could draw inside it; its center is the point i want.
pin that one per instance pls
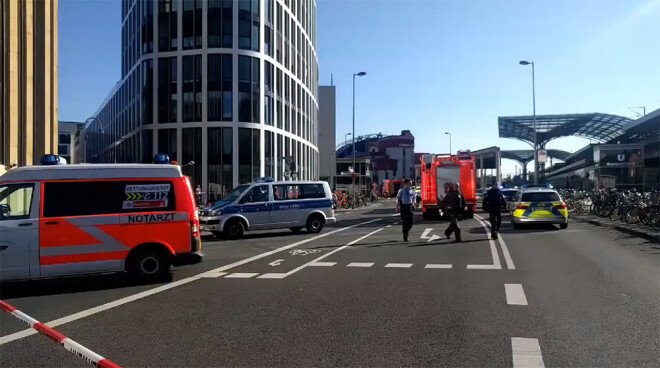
(642, 231)
(375, 205)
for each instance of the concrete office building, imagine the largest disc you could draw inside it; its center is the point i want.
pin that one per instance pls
(230, 85)
(327, 132)
(28, 81)
(68, 133)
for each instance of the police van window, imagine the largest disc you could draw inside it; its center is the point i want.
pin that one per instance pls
(540, 197)
(15, 201)
(308, 191)
(260, 193)
(286, 192)
(87, 198)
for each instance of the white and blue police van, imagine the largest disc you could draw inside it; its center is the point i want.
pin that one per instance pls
(267, 204)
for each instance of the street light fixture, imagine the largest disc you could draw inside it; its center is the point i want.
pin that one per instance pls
(447, 133)
(360, 74)
(346, 137)
(536, 154)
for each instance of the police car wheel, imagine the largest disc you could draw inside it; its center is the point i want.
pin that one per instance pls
(234, 230)
(217, 234)
(295, 229)
(315, 224)
(515, 226)
(563, 226)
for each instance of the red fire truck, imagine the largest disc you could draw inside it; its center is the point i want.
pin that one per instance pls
(391, 187)
(441, 169)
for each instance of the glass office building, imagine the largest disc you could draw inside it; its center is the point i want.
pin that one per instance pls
(230, 85)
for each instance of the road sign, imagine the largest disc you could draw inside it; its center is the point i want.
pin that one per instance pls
(543, 156)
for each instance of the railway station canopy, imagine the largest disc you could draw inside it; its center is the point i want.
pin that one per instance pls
(595, 126)
(525, 156)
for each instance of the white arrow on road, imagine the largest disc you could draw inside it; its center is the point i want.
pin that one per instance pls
(433, 237)
(425, 234)
(276, 263)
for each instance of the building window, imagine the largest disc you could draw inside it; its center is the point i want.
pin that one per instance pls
(192, 88)
(248, 25)
(248, 154)
(192, 24)
(167, 143)
(147, 140)
(248, 89)
(167, 97)
(220, 173)
(219, 87)
(268, 94)
(191, 145)
(148, 91)
(268, 28)
(167, 30)
(220, 23)
(269, 158)
(64, 138)
(147, 24)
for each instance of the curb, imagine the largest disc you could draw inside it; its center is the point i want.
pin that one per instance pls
(643, 234)
(70, 345)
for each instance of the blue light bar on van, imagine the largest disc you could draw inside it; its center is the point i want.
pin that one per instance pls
(52, 160)
(162, 158)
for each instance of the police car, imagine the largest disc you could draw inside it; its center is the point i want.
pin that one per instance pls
(540, 205)
(267, 204)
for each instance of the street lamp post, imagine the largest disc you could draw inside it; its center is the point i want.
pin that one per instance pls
(360, 74)
(449, 142)
(536, 154)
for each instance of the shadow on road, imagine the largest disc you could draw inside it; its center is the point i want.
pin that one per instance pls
(74, 284)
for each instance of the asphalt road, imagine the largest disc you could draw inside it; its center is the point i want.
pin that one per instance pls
(356, 295)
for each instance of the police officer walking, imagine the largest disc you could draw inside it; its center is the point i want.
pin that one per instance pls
(405, 205)
(453, 204)
(493, 203)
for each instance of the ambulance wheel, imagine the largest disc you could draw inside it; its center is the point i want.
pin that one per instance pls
(234, 229)
(149, 264)
(314, 224)
(563, 226)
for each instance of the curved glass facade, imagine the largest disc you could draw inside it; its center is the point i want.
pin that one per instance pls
(228, 84)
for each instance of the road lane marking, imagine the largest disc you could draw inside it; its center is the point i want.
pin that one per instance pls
(103, 307)
(276, 262)
(515, 295)
(323, 264)
(360, 264)
(526, 353)
(505, 249)
(212, 274)
(334, 251)
(425, 234)
(241, 275)
(433, 237)
(272, 276)
(432, 265)
(398, 265)
(493, 251)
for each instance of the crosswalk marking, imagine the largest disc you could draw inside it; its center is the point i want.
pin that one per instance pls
(239, 275)
(526, 353)
(432, 265)
(398, 265)
(212, 274)
(515, 295)
(272, 276)
(323, 264)
(360, 264)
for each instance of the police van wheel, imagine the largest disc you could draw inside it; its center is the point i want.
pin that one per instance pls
(315, 224)
(563, 226)
(150, 265)
(234, 229)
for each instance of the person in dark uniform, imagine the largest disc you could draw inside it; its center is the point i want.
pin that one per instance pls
(405, 205)
(493, 203)
(453, 204)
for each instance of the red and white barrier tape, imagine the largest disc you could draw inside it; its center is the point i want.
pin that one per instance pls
(66, 342)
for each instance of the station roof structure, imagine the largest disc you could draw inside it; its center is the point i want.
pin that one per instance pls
(525, 156)
(595, 126)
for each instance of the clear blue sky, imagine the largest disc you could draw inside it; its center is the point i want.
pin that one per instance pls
(433, 65)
